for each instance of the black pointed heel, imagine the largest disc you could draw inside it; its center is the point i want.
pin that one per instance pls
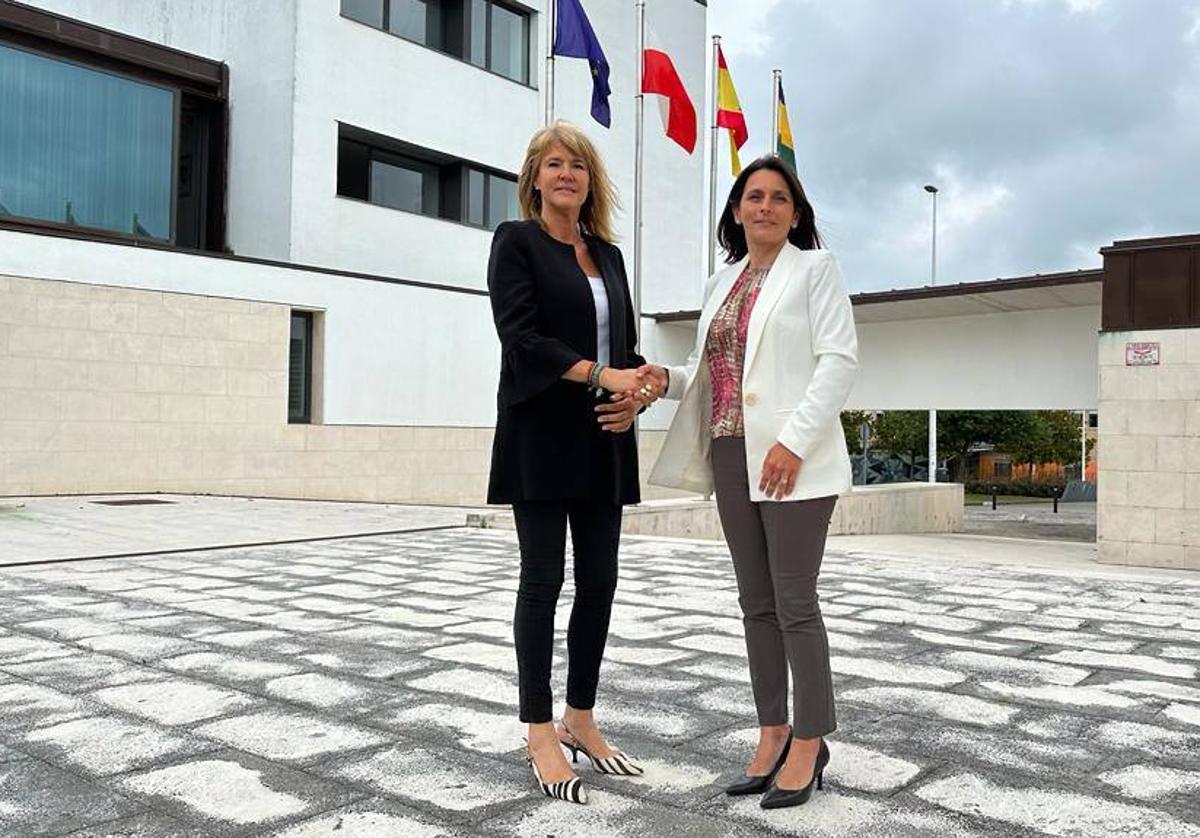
(777, 798)
(757, 785)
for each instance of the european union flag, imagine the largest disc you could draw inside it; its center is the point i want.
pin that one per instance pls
(574, 38)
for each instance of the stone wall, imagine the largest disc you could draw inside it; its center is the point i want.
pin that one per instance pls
(1149, 452)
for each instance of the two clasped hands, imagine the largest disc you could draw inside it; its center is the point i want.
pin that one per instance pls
(634, 389)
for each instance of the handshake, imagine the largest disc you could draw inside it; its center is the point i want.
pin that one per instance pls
(631, 391)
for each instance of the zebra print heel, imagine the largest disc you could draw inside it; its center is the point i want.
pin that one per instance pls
(619, 764)
(572, 790)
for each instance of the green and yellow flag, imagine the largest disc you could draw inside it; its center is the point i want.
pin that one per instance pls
(787, 147)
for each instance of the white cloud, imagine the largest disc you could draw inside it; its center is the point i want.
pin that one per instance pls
(742, 25)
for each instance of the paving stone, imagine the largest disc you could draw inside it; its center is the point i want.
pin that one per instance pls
(288, 736)
(324, 691)
(175, 701)
(141, 826)
(375, 818)
(102, 745)
(24, 706)
(37, 799)
(1050, 811)
(230, 794)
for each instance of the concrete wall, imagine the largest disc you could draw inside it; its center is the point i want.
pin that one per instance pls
(1148, 510)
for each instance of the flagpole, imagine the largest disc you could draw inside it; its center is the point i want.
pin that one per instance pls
(775, 82)
(551, 22)
(712, 174)
(638, 165)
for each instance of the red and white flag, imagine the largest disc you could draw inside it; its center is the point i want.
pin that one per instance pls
(660, 77)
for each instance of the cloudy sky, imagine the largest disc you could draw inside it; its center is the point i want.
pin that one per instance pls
(1051, 127)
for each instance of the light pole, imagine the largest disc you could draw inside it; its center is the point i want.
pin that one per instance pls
(933, 191)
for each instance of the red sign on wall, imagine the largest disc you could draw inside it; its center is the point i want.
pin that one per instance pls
(1141, 354)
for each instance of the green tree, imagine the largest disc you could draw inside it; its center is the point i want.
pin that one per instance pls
(902, 432)
(852, 420)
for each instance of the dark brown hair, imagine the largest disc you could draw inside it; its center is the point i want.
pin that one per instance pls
(732, 236)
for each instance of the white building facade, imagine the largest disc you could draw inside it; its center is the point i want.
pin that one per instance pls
(352, 156)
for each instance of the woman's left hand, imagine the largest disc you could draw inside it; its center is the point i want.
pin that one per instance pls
(618, 414)
(779, 472)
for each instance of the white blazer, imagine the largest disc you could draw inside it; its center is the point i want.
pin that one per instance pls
(801, 361)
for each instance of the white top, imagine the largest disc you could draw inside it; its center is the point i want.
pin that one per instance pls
(600, 296)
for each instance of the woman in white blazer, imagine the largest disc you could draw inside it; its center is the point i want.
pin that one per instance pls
(758, 422)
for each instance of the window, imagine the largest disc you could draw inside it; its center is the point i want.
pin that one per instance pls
(300, 368)
(405, 177)
(105, 134)
(488, 33)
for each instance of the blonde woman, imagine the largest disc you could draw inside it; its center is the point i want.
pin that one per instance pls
(563, 452)
(775, 358)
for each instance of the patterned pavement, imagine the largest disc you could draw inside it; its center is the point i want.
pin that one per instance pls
(364, 688)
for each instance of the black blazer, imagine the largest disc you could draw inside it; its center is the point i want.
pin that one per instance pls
(548, 444)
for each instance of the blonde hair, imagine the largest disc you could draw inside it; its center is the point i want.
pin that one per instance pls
(595, 217)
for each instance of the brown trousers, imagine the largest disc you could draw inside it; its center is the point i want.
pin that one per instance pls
(777, 549)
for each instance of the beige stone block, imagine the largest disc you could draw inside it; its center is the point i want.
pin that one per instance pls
(136, 348)
(159, 319)
(87, 346)
(249, 383)
(1156, 417)
(1156, 490)
(159, 378)
(224, 409)
(56, 374)
(74, 436)
(180, 465)
(1129, 382)
(1192, 491)
(63, 314)
(112, 376)
(210, 325)
(1155, 555)
(19, 373)
(250, 328)
(1176, 526)
(182, 407)
(205, 381)
(136, 407)
(266, 410)
(1193, 345)
(18, 309)
(1192, 557)
(1179, 382)
(33, 405)
(1112, 417)
(1191, 454)
(396, 438)
(224, 465)
(113, 316)
(1129, 453)
(36, 342)
(1170, 455)
(394, 488)
(27, 435)
(1112, 487)
(1124, 523)
(87, 406)
(5, 284)
(1193, 419)
(429, 438)
(111, 436)
(185, 351)
(1111, 349)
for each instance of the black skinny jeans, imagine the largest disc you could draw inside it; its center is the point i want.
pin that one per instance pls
(542, 533)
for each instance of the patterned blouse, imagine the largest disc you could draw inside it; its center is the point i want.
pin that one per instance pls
(725, 352)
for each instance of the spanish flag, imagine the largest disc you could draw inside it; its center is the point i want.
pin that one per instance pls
(787, 148)
(729, 112)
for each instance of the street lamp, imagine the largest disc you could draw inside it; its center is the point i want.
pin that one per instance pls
(933, 191)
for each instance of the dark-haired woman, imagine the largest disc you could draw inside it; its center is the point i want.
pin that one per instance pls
(758, 422)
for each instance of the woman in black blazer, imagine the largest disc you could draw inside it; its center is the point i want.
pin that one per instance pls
(569, 392)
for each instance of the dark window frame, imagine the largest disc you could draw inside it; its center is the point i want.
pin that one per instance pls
(526, 13)
(305, 415)
(191, 79)
(424, 157)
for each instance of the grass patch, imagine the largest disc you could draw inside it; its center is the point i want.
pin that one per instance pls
(972, 499)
